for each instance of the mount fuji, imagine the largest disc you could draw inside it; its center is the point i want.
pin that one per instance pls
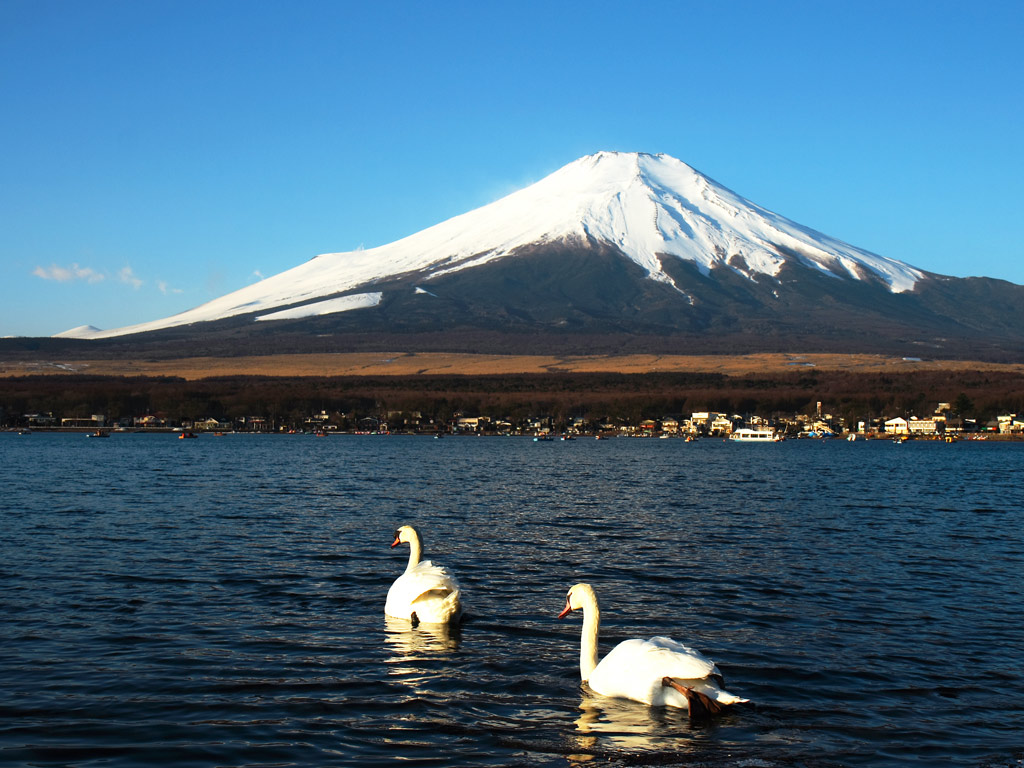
(613, 252)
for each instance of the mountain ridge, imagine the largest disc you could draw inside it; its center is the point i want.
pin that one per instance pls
(649, 206)
(611, 250)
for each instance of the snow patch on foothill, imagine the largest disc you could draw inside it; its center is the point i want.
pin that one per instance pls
(329, 307)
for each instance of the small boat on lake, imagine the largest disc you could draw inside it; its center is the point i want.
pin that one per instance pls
(98, 433)
(186, 435)
(746, 435)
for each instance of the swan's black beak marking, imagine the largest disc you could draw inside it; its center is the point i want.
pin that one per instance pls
(568, 606)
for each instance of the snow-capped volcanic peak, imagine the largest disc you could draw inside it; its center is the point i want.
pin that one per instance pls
(648, 206)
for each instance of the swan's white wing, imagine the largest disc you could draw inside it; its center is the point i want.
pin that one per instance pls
(682, 660)
(634, 670)
(426, 589)
(428, 571)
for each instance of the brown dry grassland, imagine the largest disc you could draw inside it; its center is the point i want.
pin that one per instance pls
(406, 364)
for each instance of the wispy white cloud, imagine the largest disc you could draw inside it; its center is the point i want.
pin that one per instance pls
(126, 275)
(165, 289)
(67, 274)
(258, 275)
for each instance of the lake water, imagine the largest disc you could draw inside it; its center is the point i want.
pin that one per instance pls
(219, 601)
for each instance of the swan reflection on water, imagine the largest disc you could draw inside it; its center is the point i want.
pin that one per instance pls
(613, 725)
(409, 644)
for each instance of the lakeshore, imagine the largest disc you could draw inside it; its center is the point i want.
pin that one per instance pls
(645, 394)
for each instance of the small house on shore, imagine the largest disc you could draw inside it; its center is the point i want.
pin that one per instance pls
(897, 426)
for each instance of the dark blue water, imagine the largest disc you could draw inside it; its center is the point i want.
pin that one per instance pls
(220, 601)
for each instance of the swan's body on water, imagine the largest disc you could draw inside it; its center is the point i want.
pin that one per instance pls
(658, 672)
(426, 592)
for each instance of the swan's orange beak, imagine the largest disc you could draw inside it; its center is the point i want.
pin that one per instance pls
(396, 542)
(565, 611)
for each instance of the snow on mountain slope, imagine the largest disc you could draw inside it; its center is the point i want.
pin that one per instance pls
(326, 307)
(647, 206)
(81, 332)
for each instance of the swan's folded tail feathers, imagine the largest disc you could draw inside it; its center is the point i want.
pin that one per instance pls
(438, 593)
(437, 606)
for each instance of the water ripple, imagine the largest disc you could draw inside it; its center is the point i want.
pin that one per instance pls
(221, 602)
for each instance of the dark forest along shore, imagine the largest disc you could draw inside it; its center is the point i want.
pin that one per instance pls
(220, 601)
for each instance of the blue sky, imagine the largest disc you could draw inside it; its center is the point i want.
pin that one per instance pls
(155, 155)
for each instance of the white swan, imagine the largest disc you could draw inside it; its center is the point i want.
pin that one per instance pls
(659, 672)
(426, 592)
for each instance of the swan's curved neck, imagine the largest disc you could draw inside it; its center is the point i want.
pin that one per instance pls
(415, 550)
(588, 637)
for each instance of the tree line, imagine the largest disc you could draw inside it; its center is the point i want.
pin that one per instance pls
(560, 396)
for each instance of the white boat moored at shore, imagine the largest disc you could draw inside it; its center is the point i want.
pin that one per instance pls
(746, 435)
